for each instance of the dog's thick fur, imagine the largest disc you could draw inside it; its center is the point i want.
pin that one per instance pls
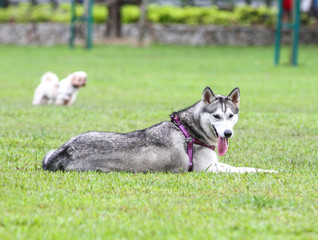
(162, 147)
(69, 87)
(46, 92)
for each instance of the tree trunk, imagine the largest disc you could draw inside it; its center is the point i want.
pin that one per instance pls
(142, 21)
(4, 3)
(113, 24)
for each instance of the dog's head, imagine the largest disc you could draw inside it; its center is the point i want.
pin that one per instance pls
(219, 115)
(50, 78)
(78, 79)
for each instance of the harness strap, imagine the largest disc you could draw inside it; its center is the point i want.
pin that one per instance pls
(190, 140)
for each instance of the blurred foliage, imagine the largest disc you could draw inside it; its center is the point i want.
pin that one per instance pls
(243, 15)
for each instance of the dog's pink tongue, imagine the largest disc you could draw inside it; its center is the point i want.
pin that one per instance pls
(222, 146)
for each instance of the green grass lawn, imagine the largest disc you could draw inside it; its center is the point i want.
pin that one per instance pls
(132, 88)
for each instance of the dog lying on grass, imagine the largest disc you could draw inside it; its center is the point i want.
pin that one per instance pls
(186, 143)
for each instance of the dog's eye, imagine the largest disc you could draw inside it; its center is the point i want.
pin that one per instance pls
(216, 116)
(231, 115)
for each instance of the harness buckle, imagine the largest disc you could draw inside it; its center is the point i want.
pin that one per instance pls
(175, 121)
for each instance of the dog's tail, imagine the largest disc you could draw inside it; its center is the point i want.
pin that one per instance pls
(46, 160)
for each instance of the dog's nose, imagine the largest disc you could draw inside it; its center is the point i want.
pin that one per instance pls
(227, 133)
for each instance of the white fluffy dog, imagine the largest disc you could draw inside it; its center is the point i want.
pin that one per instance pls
(46, 92)
(68, 88)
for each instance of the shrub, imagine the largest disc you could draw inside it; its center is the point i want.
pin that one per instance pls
(100, 14)
(4, 15)
(129, 14)
(41, 13)
(246, 15)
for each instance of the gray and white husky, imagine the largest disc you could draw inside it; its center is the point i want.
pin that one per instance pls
(164, 147)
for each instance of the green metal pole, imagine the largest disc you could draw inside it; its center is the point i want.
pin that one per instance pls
(73, 19)
(296, 23)
(278, 31)
(89, 21)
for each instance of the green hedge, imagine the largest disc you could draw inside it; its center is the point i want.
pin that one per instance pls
(157, 14)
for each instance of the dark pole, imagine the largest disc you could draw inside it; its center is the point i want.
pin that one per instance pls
(142, 21)
(113, 22)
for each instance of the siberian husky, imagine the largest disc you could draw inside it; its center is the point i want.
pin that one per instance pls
(185, 143)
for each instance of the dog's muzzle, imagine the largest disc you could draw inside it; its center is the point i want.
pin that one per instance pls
(216, 133)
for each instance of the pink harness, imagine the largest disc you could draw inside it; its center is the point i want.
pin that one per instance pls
(190, 140)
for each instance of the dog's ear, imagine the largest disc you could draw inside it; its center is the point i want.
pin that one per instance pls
(234, 96)
(207, 95)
